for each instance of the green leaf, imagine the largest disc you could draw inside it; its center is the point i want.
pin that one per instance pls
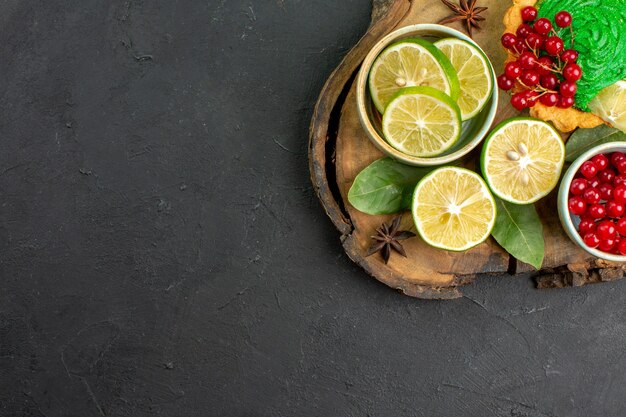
(385, 187)
(584, 139)
(519, 231)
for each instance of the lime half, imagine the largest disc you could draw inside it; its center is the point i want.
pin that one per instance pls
(422, 122)
(410, 63)
(453, 209)
(610, 105)
(474, 73)
(522, 160)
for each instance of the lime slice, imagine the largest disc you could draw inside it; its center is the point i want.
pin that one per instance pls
(422, 121)
(474, 72)
(522, 160)
(410, 63)
(610, 105)
(453, 209)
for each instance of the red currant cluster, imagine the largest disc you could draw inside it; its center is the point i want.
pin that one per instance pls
(598, 196)
(544, 71)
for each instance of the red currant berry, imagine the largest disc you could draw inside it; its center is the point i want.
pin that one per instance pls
(621, 166)
(549, 99)
(577, 206)
(606, 175)
(568, 89)
(530, 78)
(606, 191)
(529, 13)
(621, 247)
(520, 46)
(605, 229)
(519, 101)
(619, 193)
(594, 183)
(601, 162)
(615, 249)
(586, 225)
(565, 102)
(505, 83)
(577, 186)
(569, 55)
(572, 72)
(544, 64)
(591, 240)
(606, 244)
(597, 211)
(527, 60)
(542, 26)
(508, 40)
(563, 19)
(616, 156)
(550, 81)
(554, 45)
(524, 30)
(513, 70)
(531, 97)
(591, 195)
(619, 180)
(588, 169)
(614, 209)
(621, 226)
(535, 41)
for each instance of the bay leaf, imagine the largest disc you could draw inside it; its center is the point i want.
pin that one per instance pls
(385, 187)
(584, 139)
(519, 231)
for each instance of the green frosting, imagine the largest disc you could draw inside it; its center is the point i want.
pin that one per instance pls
(600, 38)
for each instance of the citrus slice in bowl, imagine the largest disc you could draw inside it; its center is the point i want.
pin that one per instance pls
(410, 63)
(522, 159)
(610, 105)
(421, 121)
(474, 72)
(453, 209)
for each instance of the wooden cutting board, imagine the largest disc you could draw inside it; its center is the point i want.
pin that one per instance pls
(339, 149)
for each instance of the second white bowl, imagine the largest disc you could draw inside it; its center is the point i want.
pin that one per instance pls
(570, 221)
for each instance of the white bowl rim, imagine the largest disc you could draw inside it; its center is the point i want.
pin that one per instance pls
(563, 197)
(371, 131)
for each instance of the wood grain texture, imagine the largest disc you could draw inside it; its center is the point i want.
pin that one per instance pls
(386, 14)
(426, 272)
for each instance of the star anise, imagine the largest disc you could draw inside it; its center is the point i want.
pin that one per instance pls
(387, 238)
(465, 11)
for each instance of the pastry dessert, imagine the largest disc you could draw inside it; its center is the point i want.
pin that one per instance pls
(597, 33)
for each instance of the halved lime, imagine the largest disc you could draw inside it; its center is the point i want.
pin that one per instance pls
(610, 105)
(410, 63)
(522, 160)
(422, 121)
(453, 209)
(474, 72)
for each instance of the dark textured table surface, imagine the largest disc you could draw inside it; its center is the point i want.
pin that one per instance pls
(162, 252)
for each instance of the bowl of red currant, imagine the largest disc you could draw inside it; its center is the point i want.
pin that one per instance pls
(592, 201)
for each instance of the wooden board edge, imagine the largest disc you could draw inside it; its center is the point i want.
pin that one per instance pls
(385, 15)
(398, 282)
(577, 275)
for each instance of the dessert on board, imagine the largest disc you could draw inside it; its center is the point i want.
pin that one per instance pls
(582, 51)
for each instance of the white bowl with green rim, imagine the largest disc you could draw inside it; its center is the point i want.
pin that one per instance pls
(473, 130)
(570, 221)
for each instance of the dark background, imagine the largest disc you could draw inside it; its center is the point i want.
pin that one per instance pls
(162, 252)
